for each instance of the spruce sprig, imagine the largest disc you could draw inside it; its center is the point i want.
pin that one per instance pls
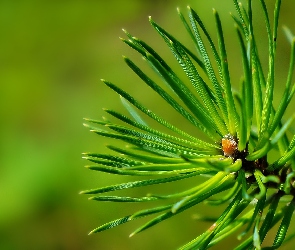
(241, 128)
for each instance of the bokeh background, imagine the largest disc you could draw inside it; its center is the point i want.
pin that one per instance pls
(52, 57)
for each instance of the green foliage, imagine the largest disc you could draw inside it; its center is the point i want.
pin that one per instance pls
(241, 129)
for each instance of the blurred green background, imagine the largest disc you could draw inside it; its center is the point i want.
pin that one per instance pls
(53, 55)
